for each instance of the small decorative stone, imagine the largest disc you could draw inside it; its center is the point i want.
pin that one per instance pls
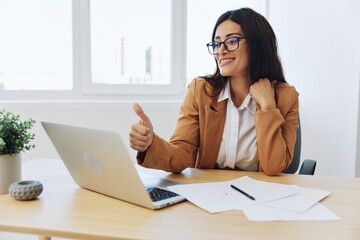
(25, 190)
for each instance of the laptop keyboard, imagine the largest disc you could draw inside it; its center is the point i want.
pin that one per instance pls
(158, 194)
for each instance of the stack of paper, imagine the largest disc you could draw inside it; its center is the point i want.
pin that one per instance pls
(273, 202)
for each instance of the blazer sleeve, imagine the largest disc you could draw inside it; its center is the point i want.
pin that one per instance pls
(276, 131)
(181, 151)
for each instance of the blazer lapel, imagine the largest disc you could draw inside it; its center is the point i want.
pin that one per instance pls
(213, 130)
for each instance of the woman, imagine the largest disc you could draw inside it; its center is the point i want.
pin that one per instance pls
(243, 117)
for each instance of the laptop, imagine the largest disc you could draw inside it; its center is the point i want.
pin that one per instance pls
(98, 161)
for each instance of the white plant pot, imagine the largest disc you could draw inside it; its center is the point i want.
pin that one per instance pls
(10, 171)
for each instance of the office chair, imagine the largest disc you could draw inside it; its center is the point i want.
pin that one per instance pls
(308, 166)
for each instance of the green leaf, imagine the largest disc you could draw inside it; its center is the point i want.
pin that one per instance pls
(14, 135)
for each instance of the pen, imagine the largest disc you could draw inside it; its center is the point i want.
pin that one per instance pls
(246, 194)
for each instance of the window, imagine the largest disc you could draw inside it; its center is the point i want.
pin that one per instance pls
(131, 48)
(105, 49)
(35, 45)
(130, 44)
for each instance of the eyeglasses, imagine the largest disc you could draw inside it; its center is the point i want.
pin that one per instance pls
(230, 44)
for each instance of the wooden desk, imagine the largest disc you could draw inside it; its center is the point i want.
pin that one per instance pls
(67, 211)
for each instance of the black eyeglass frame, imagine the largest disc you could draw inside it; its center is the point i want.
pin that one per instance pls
(223, 42)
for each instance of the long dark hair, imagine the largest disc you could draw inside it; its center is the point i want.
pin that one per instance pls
(264, 61)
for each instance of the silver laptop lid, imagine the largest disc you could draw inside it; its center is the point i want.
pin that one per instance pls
(99, 161)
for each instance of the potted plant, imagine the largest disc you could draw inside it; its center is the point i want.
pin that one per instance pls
(14, 139)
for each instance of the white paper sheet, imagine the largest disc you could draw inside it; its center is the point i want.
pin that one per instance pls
(219, 196)
(273, 202)
(212, 197)
(263, 213)
(300, 202)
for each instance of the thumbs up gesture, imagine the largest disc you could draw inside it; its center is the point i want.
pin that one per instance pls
(141, 133)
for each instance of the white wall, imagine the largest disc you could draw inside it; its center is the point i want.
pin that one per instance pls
(319, 45)
(357, 165)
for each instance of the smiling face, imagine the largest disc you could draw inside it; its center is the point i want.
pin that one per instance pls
(231, 63)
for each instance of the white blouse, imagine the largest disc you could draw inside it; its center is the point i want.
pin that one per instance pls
(238, 145)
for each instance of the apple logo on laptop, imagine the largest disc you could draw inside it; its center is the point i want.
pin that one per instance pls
(92, 162)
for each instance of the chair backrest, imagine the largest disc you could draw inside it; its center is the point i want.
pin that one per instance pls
(293, 167)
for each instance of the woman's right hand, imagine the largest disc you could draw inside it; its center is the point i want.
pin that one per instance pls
(141, 133)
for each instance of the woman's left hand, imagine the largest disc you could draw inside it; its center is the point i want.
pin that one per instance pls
(263, 93)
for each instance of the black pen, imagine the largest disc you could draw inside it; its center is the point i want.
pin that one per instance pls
(246, 194)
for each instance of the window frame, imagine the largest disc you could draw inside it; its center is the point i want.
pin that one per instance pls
(178, 57)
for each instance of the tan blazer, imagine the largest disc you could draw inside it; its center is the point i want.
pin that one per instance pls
(197, 136)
